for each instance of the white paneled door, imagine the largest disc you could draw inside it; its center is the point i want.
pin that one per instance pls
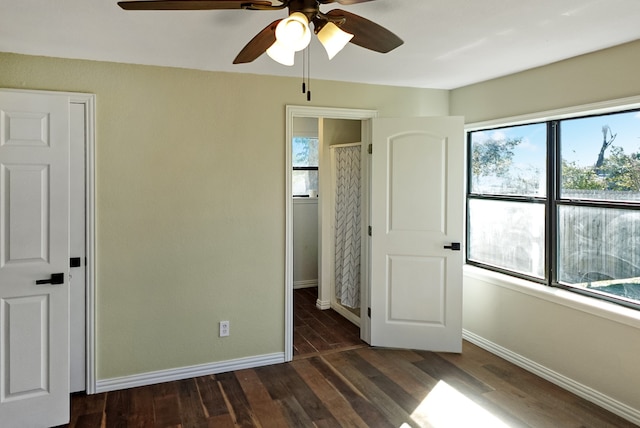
(34, 259)
(416, 211)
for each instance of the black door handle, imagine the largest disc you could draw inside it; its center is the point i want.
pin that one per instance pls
(455, 246)
(56, 278)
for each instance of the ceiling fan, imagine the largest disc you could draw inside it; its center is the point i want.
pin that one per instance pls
(283, 37)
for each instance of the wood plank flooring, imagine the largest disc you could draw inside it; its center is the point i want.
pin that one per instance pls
(320, 331)
(340, 383)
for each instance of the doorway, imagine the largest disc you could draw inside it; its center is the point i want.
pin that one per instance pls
(415, 211)
(321, 325)
(327, 119)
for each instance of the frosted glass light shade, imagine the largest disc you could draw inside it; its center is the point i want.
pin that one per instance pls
(293, 32)
(333, 39)
(281, 53)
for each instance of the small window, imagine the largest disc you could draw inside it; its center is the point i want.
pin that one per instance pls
(305, 167)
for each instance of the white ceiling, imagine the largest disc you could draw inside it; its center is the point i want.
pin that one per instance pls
(448, 44)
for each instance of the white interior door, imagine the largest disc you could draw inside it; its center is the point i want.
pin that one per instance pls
(416, 210)
(34, 247)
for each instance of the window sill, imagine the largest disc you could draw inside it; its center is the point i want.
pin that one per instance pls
(589, 305)
(299, 200)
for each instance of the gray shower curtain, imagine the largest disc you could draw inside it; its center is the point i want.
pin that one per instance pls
(347, 224)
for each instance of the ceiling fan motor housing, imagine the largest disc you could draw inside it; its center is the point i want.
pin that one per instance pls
(309, 8)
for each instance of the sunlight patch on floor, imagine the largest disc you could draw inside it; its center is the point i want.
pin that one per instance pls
(446, 407)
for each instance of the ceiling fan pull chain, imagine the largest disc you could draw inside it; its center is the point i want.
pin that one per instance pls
(304, 85)
(308, 73)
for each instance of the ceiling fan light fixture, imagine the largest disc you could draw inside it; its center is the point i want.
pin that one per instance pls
(293, 32)
(281, 53)
(333, 39)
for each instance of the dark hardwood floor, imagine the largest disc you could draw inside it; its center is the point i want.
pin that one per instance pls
(317, 331)
(335, 380)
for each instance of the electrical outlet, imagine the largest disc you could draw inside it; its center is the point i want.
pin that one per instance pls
(224, 328)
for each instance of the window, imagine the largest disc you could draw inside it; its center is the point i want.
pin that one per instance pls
(507, 199)
(305, 166)
(558, 202)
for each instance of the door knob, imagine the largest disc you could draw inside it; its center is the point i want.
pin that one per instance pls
(455, 246)
(56, 278)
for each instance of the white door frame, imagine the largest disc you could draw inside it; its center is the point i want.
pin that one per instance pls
(319, 113)
(89, 103)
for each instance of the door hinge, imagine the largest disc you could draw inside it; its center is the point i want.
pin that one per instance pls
(370, 230)
(369, 312)
(370, 148)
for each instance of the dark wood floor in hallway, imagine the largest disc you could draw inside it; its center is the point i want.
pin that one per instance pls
(336, 382)
(317, 331)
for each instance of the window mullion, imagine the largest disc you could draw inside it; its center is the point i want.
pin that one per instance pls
(553, 185)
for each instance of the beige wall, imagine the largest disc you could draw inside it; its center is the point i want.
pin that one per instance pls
(588, 348)
(601, 76)
(190, 202)
(305, 242)
(341, 131)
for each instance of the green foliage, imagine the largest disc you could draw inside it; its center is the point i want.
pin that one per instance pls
(619, 172)
(575, 177)
(622, 171)
(493, 157)
(616, 172)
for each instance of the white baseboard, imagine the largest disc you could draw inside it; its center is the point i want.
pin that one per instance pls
(323, 305)
(308, 283)
(180, 373)
(589, 394)
(353, 318)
